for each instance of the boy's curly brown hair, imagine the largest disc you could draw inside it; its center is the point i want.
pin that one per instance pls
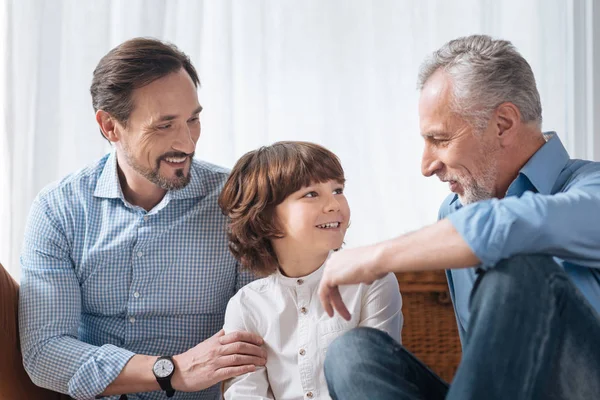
(261, 180)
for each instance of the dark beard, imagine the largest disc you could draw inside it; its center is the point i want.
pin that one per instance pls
(180, 181)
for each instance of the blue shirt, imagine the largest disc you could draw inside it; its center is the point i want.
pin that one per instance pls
(552, 208)
(103, 280)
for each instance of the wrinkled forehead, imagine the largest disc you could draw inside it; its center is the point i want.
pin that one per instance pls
(437, 117)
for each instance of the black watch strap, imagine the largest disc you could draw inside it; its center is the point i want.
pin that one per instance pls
(165, 384)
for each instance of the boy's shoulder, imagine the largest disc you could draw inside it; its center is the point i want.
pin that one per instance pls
(247, 305)
(260, 285)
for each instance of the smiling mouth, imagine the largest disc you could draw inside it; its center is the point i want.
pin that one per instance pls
(329, 225)
(175, 160)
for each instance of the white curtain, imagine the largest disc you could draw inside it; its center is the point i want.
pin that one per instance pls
(338, 72)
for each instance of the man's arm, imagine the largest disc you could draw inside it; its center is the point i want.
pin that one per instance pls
(438, 246)
(216, 359)
(49, 318)
(50, 313)
(563, 225)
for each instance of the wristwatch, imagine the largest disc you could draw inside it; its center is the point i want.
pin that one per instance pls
(163, 370)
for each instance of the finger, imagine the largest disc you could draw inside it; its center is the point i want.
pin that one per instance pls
(243, 348)
(241, 336)
(229, 372)
(236, 360)
(218, 334)
(336, 298)
(324, 296)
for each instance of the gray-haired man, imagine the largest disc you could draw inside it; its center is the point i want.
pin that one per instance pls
(519, 237)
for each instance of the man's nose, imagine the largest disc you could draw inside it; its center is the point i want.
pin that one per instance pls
(430, 164)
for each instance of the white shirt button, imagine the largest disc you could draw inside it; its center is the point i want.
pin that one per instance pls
(309, 395)
(300, 281)
(139, 253)
(131, 319)
(146, 217)
(302, 352)
(136, 295)
(303, 310)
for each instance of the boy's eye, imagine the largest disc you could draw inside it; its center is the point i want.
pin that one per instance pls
(311, 194)
(338, 191)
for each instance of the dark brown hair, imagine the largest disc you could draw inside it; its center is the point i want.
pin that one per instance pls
(261, 180)
(131, 65)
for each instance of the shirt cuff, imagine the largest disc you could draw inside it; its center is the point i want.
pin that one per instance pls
(102, 368)
(485, 228)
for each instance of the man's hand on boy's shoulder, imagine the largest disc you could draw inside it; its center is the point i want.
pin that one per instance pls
(218, 358)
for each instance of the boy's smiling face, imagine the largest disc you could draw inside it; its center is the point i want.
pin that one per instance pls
(314, 219)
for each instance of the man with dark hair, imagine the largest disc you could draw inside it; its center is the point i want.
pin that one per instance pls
(126, 267)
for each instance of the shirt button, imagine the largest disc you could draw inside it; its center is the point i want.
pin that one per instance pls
(302, 352)
(303, 310)
(309, 395)
(131, 319)
(146, 217)
(136, 295)
(139, 253)
(300, 281)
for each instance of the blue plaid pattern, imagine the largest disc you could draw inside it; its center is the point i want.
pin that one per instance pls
(103, 280)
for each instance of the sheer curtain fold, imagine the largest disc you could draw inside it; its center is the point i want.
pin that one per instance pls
(340, 72)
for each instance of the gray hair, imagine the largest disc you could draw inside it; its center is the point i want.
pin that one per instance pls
(485, 73)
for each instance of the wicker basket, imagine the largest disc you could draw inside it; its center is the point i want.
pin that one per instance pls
(430, 331)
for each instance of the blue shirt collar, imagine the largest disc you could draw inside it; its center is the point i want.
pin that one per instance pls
(108, 185)
(543, 168)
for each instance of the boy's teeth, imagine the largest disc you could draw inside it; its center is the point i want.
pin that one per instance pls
(329, 225)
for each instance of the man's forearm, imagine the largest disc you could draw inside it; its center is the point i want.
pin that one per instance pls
(435, 247)
(135, 377)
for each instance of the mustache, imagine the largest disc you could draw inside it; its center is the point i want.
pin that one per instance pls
(445, 178)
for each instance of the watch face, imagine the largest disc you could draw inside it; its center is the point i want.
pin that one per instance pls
(163, 368)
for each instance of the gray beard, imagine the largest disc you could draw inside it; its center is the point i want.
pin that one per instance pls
(481, 191)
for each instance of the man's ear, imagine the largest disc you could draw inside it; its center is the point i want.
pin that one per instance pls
(108, 125)
(508, 119)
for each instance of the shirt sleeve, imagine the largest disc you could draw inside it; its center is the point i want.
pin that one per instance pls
(253, 385)
(382, 307)
(563, 225)
(50, 314)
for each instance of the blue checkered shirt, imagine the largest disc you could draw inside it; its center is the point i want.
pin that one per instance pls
(103, 280)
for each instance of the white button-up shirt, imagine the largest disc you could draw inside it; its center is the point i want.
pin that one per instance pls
(287, 313)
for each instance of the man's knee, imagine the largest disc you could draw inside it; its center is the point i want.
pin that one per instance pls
(526, 269)
(531, 275)
(360, 346)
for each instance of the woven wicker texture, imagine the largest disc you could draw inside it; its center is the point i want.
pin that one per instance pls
(430, 331)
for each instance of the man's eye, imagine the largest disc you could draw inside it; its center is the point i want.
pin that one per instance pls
(163, 127)
(439, 141)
